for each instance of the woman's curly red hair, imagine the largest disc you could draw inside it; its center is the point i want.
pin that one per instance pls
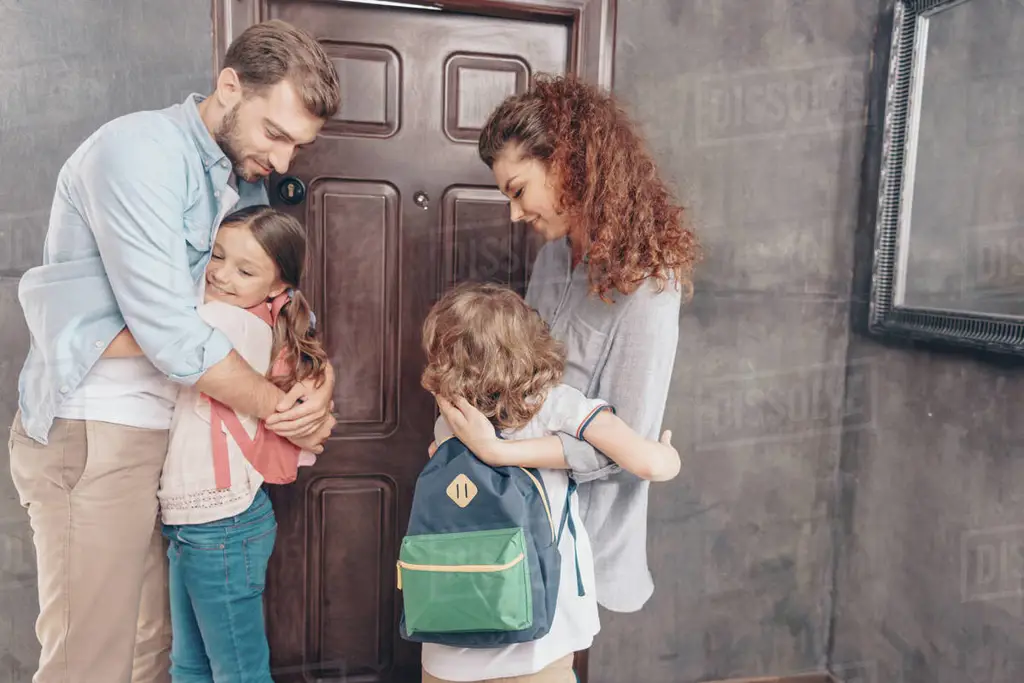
(621, 215)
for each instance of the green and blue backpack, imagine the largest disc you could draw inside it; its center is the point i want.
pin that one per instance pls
(479, 566)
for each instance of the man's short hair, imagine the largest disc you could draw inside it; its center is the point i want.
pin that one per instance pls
(272, 51)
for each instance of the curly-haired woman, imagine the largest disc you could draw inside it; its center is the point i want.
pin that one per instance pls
(609, 283)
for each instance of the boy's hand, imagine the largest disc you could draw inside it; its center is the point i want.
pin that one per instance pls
(472, 428)
(666, 441)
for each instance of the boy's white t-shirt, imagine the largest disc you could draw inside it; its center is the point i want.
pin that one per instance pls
(576, 620)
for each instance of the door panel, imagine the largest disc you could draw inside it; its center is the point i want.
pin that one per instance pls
(474, 85)
(355, 287)
(350, 596)
(479, 242)
(372, 73)
(398, 207)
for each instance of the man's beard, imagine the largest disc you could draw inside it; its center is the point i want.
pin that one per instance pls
(227, 139)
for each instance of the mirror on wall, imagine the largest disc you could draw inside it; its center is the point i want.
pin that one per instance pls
(949, 237)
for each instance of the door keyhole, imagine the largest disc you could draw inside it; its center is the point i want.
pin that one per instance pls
(291, 190)
(421, 200)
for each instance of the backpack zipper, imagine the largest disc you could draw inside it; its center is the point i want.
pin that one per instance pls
(457, 568)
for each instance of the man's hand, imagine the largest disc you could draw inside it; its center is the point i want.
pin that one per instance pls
(305, 410)
(431, 449)
(314, 442)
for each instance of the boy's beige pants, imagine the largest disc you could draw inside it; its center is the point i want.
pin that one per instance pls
(102, 569)
(559, 671)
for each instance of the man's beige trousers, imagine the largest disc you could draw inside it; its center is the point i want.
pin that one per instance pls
(102, 568)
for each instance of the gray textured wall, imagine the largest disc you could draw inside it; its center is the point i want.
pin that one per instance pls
(756, 111)
(66, 68)
(930, 515)
(931, 542)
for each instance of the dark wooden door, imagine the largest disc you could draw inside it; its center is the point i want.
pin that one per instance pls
(398, 206)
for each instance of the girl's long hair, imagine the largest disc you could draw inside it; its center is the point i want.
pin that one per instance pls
(284, 241)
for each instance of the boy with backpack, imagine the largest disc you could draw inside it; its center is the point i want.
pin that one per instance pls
(492, 586)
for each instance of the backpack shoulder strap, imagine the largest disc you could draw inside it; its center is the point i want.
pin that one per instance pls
(567, 521)
(223, 416)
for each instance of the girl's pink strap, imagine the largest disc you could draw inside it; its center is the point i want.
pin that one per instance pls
(266, 451)
(221, 415)
(265, 441)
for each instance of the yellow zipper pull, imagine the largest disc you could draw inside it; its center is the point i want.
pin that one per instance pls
(398, 568)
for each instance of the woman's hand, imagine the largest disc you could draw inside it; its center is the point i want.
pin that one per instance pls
(311, 415)
(472, 428)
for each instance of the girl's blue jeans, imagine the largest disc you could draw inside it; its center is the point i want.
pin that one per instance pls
(217, 575)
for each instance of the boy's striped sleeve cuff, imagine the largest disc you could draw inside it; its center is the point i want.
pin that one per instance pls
(590, 418)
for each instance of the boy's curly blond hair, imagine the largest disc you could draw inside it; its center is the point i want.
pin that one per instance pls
(484, 344)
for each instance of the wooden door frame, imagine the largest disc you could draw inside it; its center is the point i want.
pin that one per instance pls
(592, 46)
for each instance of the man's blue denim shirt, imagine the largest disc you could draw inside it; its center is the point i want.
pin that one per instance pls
(130, 233)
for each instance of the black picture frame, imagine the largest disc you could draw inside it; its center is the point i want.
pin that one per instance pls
(976, 330)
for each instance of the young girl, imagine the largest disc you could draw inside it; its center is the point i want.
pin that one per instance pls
(216, 513)
(486, 348)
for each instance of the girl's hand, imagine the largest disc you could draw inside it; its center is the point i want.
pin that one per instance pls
(472, 428)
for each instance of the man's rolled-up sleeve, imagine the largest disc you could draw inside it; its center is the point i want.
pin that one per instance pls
(133, 193)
